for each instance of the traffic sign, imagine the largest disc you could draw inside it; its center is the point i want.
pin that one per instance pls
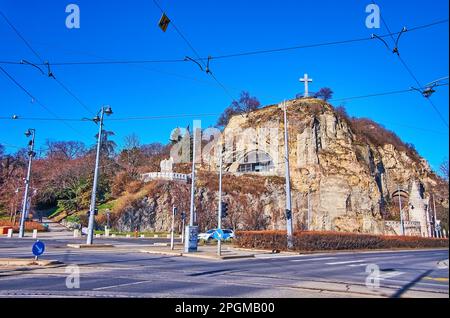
(38, 248)
(218, 234)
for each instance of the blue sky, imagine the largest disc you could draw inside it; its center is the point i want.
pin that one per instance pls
(127, 30)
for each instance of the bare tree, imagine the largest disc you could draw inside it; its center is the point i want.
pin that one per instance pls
(245, 104)
(131, 156)
(65, 150)
(444, 170)
(324, 93)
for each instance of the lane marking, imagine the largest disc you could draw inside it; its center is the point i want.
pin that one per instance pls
(358, 265)
(345, 262)
(418, 283)
(437, 279)
(122, 285)
(275, 257)
(390, 275)
(311, 259)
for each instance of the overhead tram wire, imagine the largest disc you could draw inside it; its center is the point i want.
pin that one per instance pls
(372, 95)
(161, 117)
(174, 116)
(411, 73)
(44, 63)
(137, 118)
(34, 99)
(232, 55)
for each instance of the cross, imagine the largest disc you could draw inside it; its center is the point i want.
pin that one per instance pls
(306, 80)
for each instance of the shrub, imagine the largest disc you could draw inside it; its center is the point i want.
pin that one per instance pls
(29, 226)
(119, 183)
(134, 186)
(317, 241)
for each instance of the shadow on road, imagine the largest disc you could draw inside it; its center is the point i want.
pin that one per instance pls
(405, 288)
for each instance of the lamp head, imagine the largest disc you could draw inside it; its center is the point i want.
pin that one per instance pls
(28, 133)
(108, 110)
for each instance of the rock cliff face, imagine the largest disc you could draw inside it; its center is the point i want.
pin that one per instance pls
(350, 179)
(258, 204)
(346, 174)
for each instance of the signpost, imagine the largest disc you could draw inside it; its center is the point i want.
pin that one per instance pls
(183, 220)
(38, 249)
(172, 230)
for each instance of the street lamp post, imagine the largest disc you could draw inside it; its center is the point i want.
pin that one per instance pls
(98, 119)
(29, 133)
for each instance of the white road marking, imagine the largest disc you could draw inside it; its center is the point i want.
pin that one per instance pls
(345, 262)
(272, 257)
(122, 285)
(311, 259)
(390, 274)
(358, 265)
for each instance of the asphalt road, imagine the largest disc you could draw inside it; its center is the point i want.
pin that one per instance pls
(124, 272)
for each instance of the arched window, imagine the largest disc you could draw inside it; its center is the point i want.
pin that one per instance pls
(255, 161)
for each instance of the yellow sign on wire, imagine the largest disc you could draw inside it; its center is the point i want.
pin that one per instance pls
(164, 22)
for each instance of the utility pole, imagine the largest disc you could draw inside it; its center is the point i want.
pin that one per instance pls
(219, 210)
(402, 221)
(108, 111)
(29, 133)
(290, 244)
(172, 230)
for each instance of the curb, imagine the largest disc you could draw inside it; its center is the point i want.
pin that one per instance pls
(197, 255)
(27, 262)
(161, 252)
(215, 257)
(92, 246)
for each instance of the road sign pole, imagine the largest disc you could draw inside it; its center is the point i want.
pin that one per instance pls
(436, 232)
(219, 210)
(172, 231)
(31, 132)
(182, 230)
(402, 221)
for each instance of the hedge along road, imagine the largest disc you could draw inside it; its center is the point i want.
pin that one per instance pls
(321, 241)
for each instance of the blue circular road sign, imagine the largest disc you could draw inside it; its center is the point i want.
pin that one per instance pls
(38, 248)
(218, 234)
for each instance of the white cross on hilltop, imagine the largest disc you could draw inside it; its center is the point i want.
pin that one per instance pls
(306, 80)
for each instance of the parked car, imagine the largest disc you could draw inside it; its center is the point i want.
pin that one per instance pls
(214, 235)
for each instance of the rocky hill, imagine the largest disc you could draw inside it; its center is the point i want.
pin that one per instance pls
(350, 167)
